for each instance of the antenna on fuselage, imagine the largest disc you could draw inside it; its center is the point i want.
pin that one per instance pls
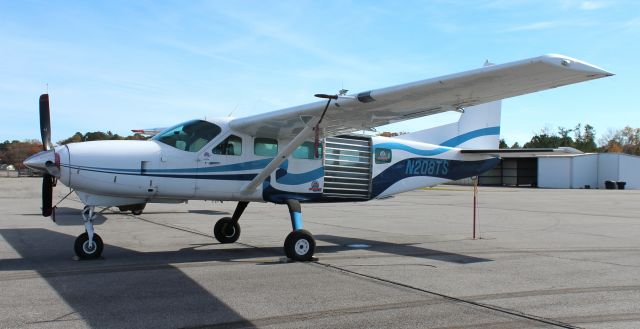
(234, 110)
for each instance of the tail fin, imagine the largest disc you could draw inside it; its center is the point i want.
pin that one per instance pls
(477, 128)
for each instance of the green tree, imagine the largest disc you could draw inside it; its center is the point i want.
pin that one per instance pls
(99, 136)
(585, 139)
(76, 138)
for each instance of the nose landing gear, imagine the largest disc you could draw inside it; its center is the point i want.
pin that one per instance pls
(88, 245)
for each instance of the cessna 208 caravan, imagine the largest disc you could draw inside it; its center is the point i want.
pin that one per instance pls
(308, 153)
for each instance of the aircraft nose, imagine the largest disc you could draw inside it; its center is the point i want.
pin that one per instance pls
(39, 160)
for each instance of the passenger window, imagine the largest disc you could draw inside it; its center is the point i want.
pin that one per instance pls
(306, 151)
(267, 147)
(382, 155)
(232, 145)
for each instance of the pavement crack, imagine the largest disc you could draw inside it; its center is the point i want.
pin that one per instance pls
(472, 303)
(61, 318)
(282, 319)
(586, 260)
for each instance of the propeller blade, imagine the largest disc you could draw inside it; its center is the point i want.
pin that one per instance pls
(45, 122)
(47, 195)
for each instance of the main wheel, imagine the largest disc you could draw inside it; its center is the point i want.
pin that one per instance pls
(226, 230)
(299, 245)
(85, 250)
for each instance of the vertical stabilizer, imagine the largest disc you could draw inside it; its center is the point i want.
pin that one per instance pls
(477, 128)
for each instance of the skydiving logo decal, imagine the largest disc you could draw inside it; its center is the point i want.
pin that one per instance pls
(315, 187)
(382, 155)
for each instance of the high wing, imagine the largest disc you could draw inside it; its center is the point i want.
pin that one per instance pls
(369, 109)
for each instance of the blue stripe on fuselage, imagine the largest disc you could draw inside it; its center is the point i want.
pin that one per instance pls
(249, 165)
(431, 167)
(205, 173)
(445, 146)
(453, 142)
(297, 179)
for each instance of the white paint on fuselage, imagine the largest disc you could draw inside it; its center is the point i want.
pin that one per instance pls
(125, 172)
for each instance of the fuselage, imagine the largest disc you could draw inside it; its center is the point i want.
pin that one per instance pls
(205, 160)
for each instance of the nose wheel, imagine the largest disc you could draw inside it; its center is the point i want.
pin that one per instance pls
(88, 245)
(86, 249)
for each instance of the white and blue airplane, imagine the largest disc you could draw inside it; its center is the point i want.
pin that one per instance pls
(303, 154)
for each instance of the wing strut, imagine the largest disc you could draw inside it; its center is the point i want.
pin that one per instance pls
(317, 128)
(279, 159)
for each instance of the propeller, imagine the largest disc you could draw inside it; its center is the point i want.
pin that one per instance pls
(45, 122)
(48, 180)
(47, 194)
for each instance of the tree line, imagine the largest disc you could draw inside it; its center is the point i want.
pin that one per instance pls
(15, 152)
(625, 140)
(583, 138)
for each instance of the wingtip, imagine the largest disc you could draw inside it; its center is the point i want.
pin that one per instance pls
(576, 64)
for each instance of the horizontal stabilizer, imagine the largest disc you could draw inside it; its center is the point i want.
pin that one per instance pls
(148, 132)
(526, 152)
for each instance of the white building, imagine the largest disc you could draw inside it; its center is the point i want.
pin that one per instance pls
(579, 171)
(589, 170)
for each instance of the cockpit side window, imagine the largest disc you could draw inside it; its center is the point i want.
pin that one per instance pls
(232, 145)
(190, 136)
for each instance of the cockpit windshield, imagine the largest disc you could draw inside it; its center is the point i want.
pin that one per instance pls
(189, 136)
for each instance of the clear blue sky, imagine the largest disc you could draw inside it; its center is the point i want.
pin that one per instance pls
(121, 65)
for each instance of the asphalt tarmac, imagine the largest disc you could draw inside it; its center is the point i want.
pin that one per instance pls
(545, 259)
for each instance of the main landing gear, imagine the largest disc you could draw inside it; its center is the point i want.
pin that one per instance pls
(227, 229)
(299, 244)
(88, 245)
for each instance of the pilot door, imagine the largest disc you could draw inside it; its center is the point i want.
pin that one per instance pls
(347, 167)
(176, 177)
(222, 170)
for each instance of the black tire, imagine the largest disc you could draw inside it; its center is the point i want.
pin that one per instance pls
(226, 230)
(300, 245)
(135, 209)
(83, 250)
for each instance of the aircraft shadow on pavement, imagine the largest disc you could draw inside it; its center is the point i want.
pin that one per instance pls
(208, 212)
(145, 289)
(400, 249)
(105, 294)
(66, 216)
